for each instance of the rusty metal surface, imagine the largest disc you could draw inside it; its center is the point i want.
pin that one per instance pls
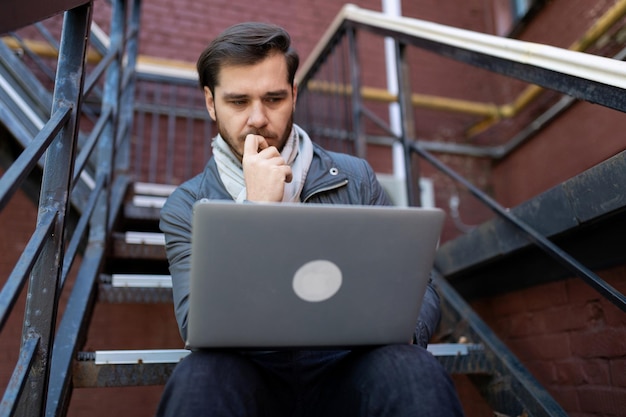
(89, 375)
(121, 249)
(133, 212)
(86, 374)
(509, 387)
(109, 294)
(16, 14)
(474, 363)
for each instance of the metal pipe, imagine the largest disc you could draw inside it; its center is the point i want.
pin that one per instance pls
(355, 80)
(394, 8)
(599, 28)
(14, 284)
(9, 404)
(23, 165)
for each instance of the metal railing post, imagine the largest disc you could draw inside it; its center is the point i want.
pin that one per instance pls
(107, 145)
(42, 299)
(127, 93)
(355, 81)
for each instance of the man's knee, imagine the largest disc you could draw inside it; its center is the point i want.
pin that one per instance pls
(396, 380)
(407, 376)
(209, 367)
(215, 381)
(399, 366)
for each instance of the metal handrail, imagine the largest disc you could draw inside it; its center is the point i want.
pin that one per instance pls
(565, 259)
(584, 76)
(24, 266)
(23, 165)
(582, 69)
(45, 261)
(9, 404)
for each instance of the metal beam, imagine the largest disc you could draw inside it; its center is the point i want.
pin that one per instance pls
(16, 14)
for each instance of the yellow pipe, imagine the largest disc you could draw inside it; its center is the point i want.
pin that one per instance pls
(418, 100)
(44, 49)
(599, 28)
(171, 63)
(492, 113)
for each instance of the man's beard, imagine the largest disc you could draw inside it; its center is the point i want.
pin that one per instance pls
(261, 132)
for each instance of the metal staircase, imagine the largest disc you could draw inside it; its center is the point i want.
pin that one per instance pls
(110, 223)
(501, 378)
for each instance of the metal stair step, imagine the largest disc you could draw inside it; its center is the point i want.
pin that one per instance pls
(135, 288)
(138, 245)
(123, 368)
(152, 189)
(147, 200)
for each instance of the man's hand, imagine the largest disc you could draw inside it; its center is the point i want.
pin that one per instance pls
(264, 170)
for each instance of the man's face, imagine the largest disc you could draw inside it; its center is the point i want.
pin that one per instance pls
(253, 99)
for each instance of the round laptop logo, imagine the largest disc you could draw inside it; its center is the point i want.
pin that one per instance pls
(317, 280)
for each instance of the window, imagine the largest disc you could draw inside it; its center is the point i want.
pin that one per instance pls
(519, 8)
(508, 15)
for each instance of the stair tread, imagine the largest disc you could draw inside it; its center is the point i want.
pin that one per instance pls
(153, 366)
(138, 245)
(153, 189)
(141, 281)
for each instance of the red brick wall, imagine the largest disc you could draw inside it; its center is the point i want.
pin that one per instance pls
(180, 30)
(580, 138)
(126, 326)
(113, 326)
(570, 338)
(17, 221)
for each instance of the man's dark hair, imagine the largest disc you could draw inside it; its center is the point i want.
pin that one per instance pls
(245, 44)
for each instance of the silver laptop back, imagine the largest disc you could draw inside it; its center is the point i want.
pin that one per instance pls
(272, 276)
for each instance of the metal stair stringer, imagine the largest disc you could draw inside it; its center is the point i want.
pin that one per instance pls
(508, 387)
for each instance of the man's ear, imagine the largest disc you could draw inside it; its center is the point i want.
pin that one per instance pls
(210, 103)
(295, 95)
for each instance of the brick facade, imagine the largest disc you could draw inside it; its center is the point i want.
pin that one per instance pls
(568, 336)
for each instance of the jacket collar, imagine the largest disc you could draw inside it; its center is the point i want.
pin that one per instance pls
(323, 175)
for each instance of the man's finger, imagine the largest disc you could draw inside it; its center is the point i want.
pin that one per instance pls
(288, 174)
(253, 143)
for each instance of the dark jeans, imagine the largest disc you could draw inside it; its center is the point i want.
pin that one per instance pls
(396, 380)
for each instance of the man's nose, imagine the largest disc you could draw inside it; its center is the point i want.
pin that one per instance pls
(257, 117)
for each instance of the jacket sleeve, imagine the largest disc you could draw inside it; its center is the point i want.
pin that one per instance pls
(429, 317)
(175, 223)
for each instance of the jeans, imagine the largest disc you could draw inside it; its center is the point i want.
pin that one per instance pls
(394, 380)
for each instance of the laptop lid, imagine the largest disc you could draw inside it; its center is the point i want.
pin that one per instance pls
(271, 276)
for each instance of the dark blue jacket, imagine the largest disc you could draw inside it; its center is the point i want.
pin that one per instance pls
(333, 178)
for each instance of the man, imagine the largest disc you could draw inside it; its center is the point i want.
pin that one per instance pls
(247, 75)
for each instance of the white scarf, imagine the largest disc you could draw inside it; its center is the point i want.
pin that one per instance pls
(297, 153)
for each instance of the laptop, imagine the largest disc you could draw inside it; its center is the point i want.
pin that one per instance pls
(292, 276)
